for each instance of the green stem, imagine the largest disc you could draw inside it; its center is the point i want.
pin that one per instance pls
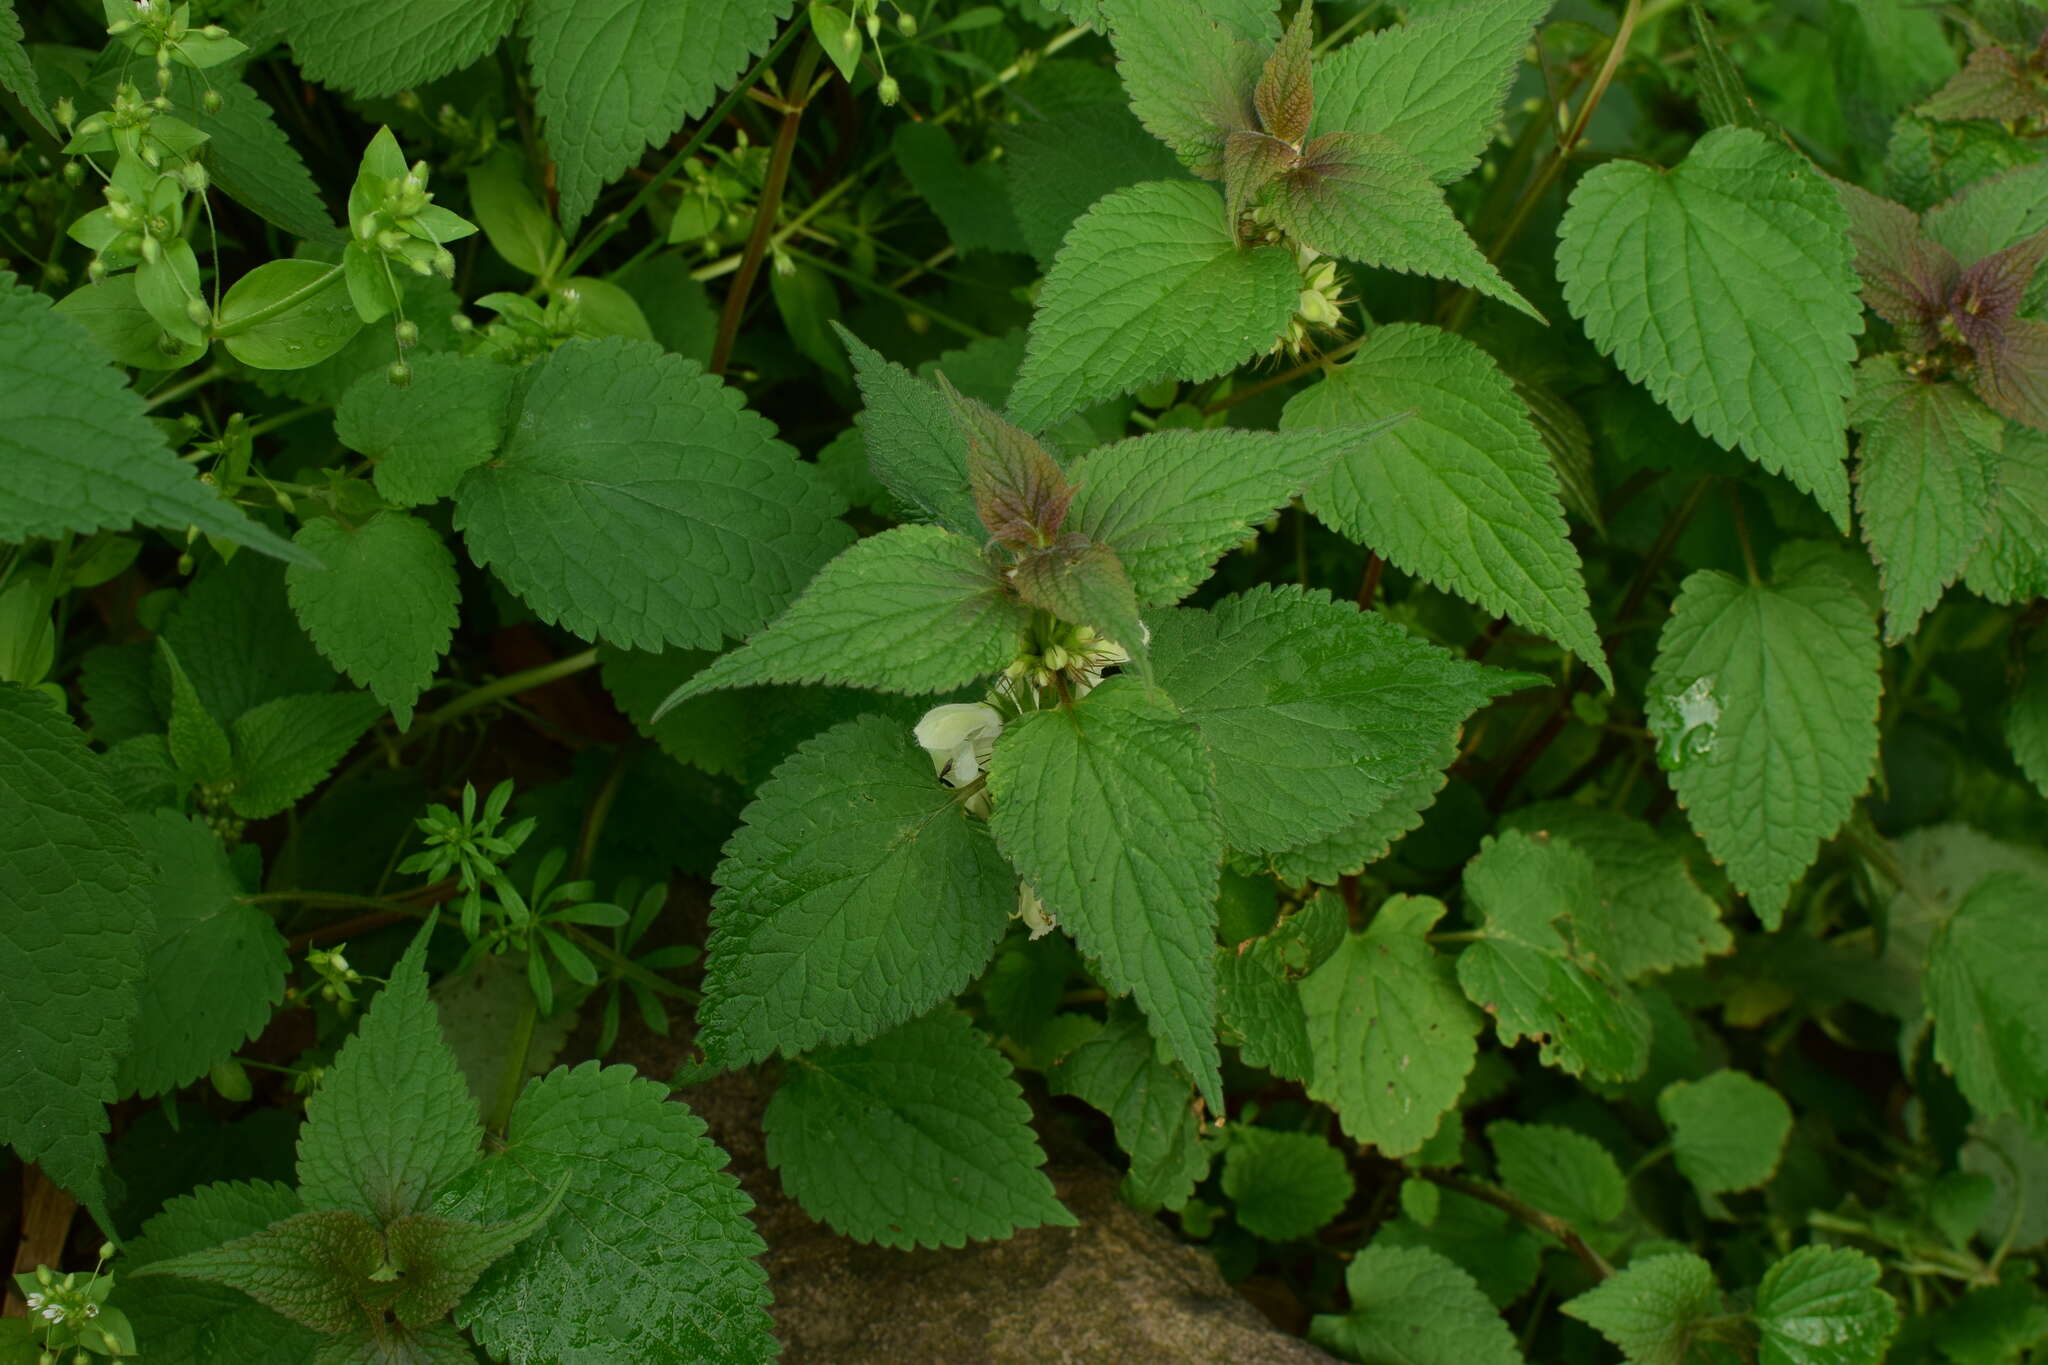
(623, 965)
(765, 212)
(311, 289)
(881, 290)
(509, 685)
(514, 1073)
(283, 419)
(1530, 1214)
(605, 230)
(171, 393)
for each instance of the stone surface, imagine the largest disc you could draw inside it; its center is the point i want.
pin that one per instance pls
(1117, 1290)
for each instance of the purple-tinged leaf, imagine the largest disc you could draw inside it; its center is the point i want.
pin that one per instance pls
(1020, 490)
(1285, 96)
(1083, 583)
(1251, 161)
(1994, 83)
(1906, 277)
(2012, 375)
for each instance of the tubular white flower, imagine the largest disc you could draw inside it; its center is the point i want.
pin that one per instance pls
(959, 736)
(1032, 911)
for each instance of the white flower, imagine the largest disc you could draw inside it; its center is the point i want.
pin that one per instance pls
(1032, 911)
(959, 736)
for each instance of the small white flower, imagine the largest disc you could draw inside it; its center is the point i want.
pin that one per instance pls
(1032, 911)
(959, 736)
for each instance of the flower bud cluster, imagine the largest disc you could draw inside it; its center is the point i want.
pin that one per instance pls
(399, 226)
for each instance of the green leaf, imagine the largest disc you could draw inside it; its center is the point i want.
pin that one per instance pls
(1503, 1255)
(1434, 85)
(930, 1118)
(1462, 493)
(1149, 287)
(423, 438)
(1365, 198)
(308, 1267)
(1105, 811)
(1172, 503)
(1559, 1171)
(855, 895)
(238, 641)
(372, 48)
(1821, 1306)
(968, 200)
(1315, 714)
(1658, 917)
(1390, 1037)
(2011, 566)
(439, 1259)
(190, 1322)
(1983, 993)
(216, 970)
(1411, 1306)
(1284, 1186)
(914, 445)
(519, 228)
(1084, 584)
(315, 321)
(1059, 165)
(2026, 724)
(1257, 991)
(1725, 287)
(199, 746)
(80, 455)
(285, 748)
(1653, 1308)
(615, 77)
(74, 921)
(1536, 968)
(17, 72)
(1150, 1104)
(1190, 72)
(915, 609)
(649, 1257)
(1926, 471)
(384, 608)
(393, 1121)
(637, 499)
(1728, 1130)
(1785, 686)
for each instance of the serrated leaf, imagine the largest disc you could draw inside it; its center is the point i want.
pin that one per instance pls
(1149, 286)
(1190, 72)
(1363, 197)
(439, 1259)
(1659, 919)
(2011, 566)
(1020, 492)
(636, 498)
(1368, 838)
(17, 72)
(1821, 1306)
(1411, 1305)
(1463, 492)
(1924, 483)
(615, 77)
(856, 894)
(1728, 1130)
(1084, 584)
(217, 967)
(1559, 1171)
(650, 1255)
(236, 637)
(285, 748)
(1535, 967)
(308, 1267)
(930, 1117)
(1791, 671)
(424, 437)
(1391, 1038)
(1285, 96)
(384, 607)
(393, 1122)
(1284, 1186)
(1725, 287)
(1434, 85)
(1258, 995)
(914, 445)
(2026, 724)
(915, 609)
(247, 156)
(968, 200)
(380, 47)
(1150, 1104)
(199, 746)
(79, 454)
(1992, 214)
(1504, 1256)
(75, 919)
(189, 1322)
(1059, 165)
(1104, 809)
(1983, 993)
(1314, 713)
(1652, 1308)
(1172, 502)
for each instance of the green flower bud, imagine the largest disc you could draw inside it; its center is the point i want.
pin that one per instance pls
(44, 1277)
(163, 75)
(185, 565)
(906, 24)
(152, 250)
(406, 334)
(193, 177)
(888, 91)
(95, 270)
(283, 499)
(213, 31)
(444, 261)
(849, 42)
(107, 1250)
(119, 27)
(198, 313)
(211, 101)
(64, 111)
(74, 174)
(399, 374)
(463, 323)
(408, 100)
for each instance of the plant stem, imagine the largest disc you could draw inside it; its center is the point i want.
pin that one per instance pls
(171, 393)
(605, 230)
(765, 212)
(880, 290)
(306, 291)
(1530, 1214)
(514, 1074)
(509, 685)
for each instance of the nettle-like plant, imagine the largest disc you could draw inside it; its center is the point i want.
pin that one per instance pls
(1019, 565)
